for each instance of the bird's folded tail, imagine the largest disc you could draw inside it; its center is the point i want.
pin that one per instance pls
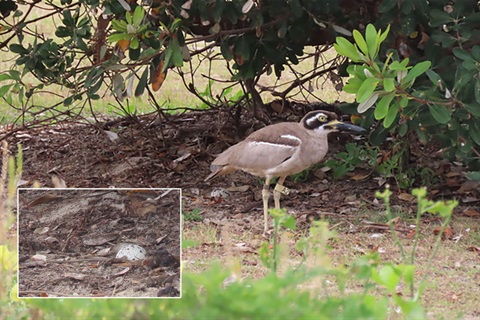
(216, 170)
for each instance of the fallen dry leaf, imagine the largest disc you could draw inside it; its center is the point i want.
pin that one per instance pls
(410, 235)
(468, 186)
(474, 249)
(447, 232)
(406, 197)
(358, 177)
(471, 213)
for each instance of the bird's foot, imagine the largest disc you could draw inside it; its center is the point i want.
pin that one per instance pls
(282, 189)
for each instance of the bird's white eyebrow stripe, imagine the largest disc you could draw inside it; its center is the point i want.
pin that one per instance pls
(290, 137)
(281, 145)
(311, 120)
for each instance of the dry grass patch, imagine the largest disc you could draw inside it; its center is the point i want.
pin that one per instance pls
(452, 285)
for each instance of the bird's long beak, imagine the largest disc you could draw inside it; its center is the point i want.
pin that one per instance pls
(342, 126)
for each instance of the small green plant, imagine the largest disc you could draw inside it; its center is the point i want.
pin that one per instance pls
(394, 167)
(443, 208)
(10, 306)
(226, 96)
(270, 252)
(194, 215)
(353, 157)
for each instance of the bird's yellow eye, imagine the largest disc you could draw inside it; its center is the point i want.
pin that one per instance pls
(322, 118)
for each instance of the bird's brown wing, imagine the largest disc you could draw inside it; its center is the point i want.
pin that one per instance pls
(262, 150)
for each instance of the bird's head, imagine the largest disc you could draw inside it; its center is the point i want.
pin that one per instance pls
(325, 121)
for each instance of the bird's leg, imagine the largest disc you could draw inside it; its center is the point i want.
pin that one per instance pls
(265, 197)
(277, 192)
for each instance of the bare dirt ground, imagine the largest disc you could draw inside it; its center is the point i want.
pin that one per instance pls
(99, 243)
(177, 153)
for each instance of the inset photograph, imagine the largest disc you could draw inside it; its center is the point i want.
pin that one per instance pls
(99, 243)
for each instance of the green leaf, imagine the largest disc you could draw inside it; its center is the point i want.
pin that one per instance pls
(177, 57)
(366, 89)
(477, 90)
(138, 15)
(134, 43)
(128, 17)
(389, 277)
(391, 115)
(15, 75)
(387, 5)
(440, 113)
(119, 25)
(5, 76)
(389, 84)
(370, 101)
(175, 24)
(462, 54)
(399, 66)
(473, 175)
(476, 53)
(360, 41)
(434, 77)
(470, 65)
(18, 48)
(242, 48)
(382, 106)
(347, 49)
(118, 36)
(225, 50)
(416, 71)
(68, 101)
(371, 37)
(288, 222)
(142, 84)
(474, 132)
(353, 85)
(4, 89)
(403, 129)
(439, 18)
(134, 54)
(473, 108)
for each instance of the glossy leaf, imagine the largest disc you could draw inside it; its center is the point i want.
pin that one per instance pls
(138, 15)
(477, 90)
(476, 52)
(142, 83)
(383, 105)
(347, 49)
(368, 103)
(4, 89)
(416, 71)
(463, 54)
(389, 84)
(440, 113)
(366, 89)
(391, 115)
(371, 38)
(360, 41)
(474, 131)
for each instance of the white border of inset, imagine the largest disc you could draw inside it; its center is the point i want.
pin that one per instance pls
(96, 189)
